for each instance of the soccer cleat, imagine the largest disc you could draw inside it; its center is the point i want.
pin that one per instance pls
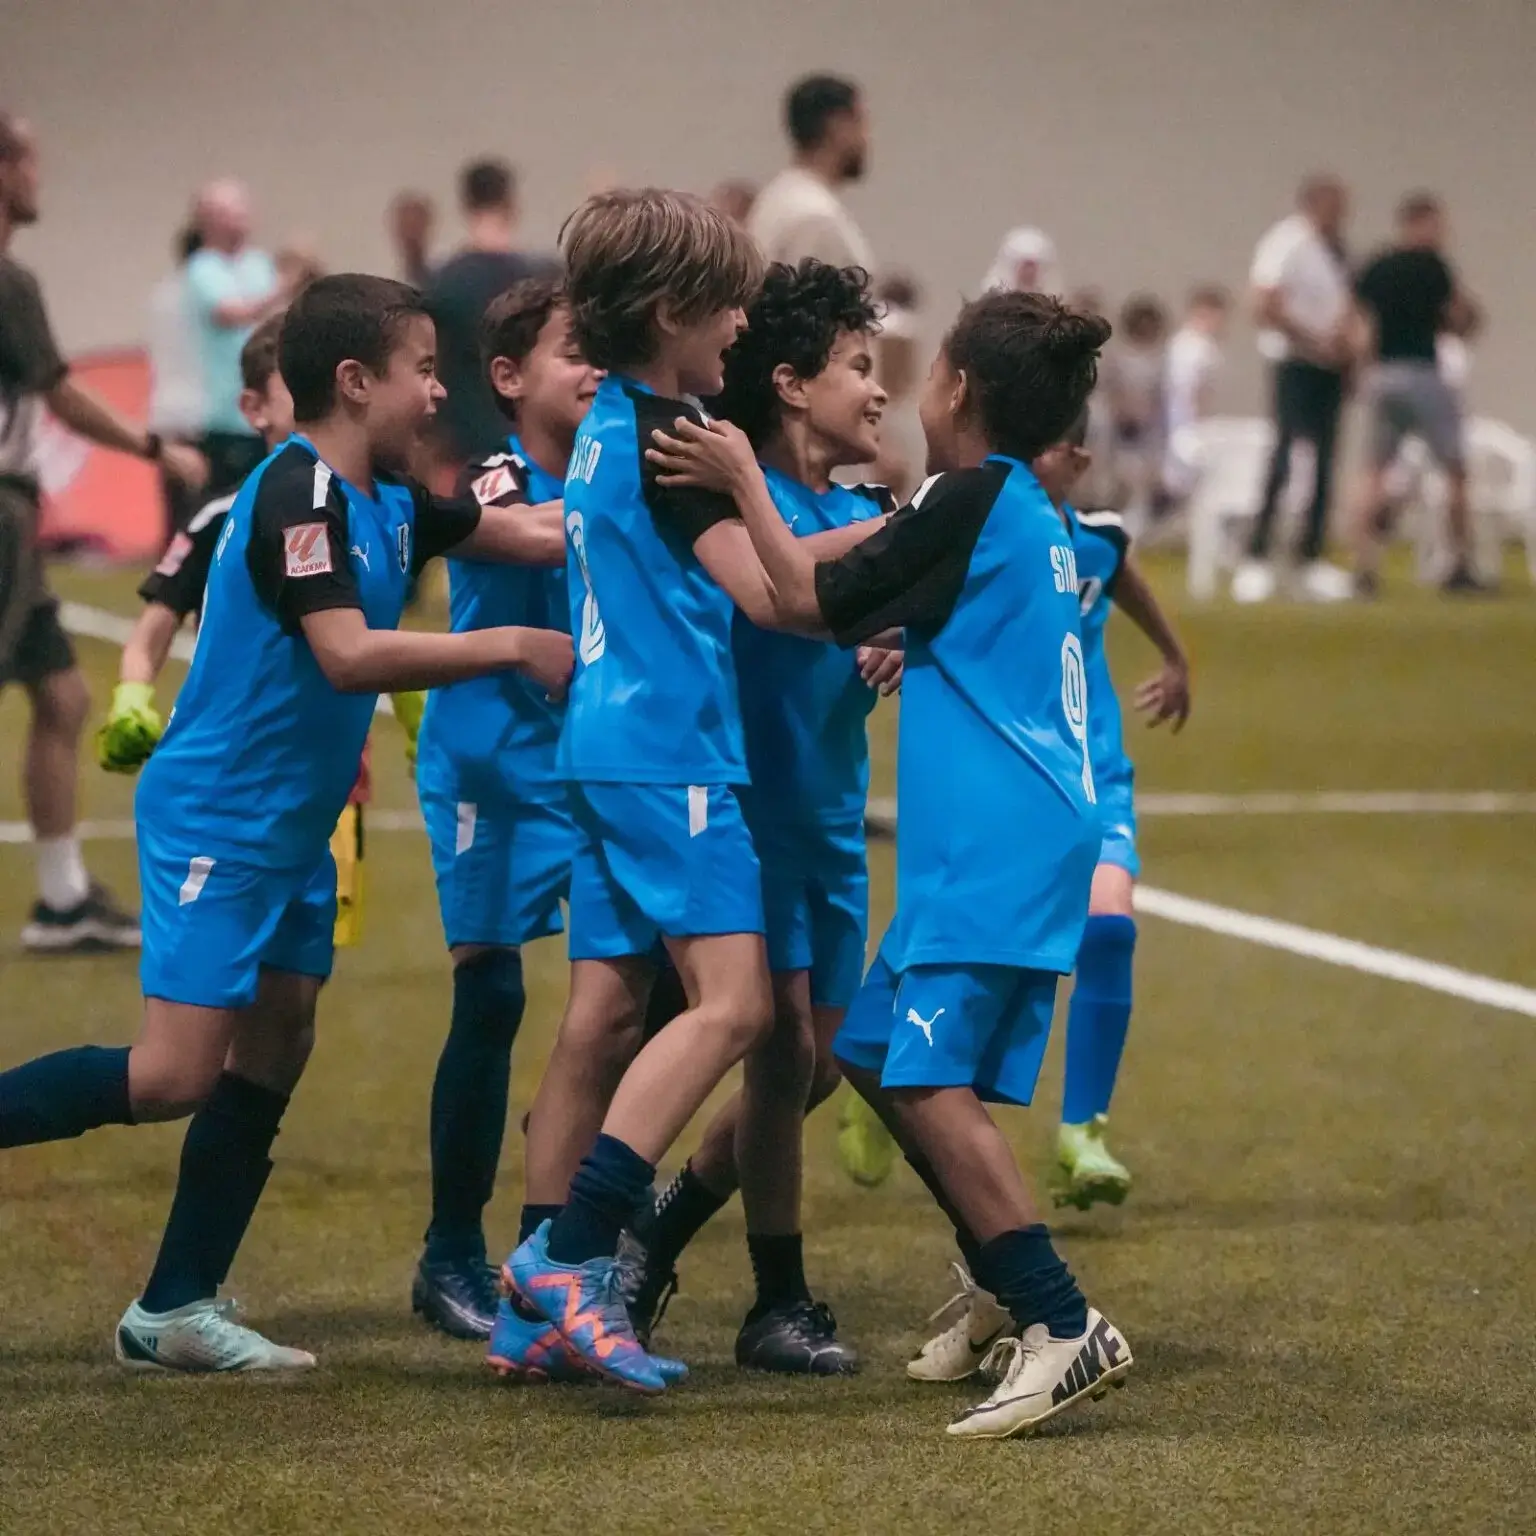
(647, 1288)
(1253, 582)
(92, 925)
(958, 1351)
(798, 1340)
(531, 1349)
(1464, 579)
(586, 1303)
(1038, 1377)
(1090, 1173)
(456, 1296)
(202, 1336)
(865, 1147)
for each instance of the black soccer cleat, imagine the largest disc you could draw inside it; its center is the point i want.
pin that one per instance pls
(797, 1340)
(91, 926)
(456, 1296)
(646, 1287)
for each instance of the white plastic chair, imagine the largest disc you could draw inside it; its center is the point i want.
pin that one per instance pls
(1231, 457)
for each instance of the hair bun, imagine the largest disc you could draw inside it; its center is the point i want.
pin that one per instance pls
(1070, 334)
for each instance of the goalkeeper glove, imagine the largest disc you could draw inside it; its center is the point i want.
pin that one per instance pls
(409, 708)
(131, 731)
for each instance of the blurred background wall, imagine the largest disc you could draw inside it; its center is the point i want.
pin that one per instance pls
(1154, 139)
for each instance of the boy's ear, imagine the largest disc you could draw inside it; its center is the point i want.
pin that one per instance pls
(960, 399)
(507, 378)
(253, 408)
(353, 382)
(666, 321)
(789, 386)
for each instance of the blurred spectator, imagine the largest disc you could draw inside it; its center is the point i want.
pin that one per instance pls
(900, 365)
(799, 212)
(72, 912)
(1301, 297)
(298, 265)
(231, 286)
(1133, 370)
(734, 199)
(1408, 298)
(175, 374)
(1025, 263)
(1193, 360)
(458, 293)
(411, 220)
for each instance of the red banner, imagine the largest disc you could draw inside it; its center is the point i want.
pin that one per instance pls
(91, 495)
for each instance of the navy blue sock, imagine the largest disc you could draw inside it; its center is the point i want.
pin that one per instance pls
(1098, 1017)
(469, 1100)
(224, 1168)
(65, 1094)
(778, 1266)
(1028, 1277)
(681, 1210)
(970, 1249)
(534, 1217)
(604, 1193)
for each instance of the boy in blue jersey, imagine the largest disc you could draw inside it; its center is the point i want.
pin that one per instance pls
(235, 809)
(800, 383)
(1100, 1008)
(999, 831)
(652, 749)
(496, 814)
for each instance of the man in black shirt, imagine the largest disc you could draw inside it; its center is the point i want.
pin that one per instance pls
(1407, 296)
(72, 911)
(458, 293)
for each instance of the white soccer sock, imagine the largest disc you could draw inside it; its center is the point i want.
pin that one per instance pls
(62, 882)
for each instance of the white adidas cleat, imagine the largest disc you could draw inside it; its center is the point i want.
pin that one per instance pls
(958, 1351)
(1039, 1377)
(202, 1336)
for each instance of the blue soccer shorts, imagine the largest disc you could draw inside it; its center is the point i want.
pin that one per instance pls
(211, 923)
(816, 903)
(951, 1026)
(656, 861)
(502, 862)
(1115, 786)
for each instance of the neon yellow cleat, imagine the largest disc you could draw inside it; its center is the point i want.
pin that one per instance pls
(865, 1148)
(1090, 1171)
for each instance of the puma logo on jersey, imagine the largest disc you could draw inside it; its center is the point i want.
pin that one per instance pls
(926, 1025)
(360, 552)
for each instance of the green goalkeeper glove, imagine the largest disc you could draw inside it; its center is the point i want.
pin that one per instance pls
(409, 708)
(132, 729)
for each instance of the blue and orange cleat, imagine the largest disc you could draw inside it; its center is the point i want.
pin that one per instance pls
(531, 1349)
(586, 1303)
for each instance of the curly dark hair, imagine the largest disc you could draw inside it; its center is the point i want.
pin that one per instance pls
(796, 319)
(1031, 363)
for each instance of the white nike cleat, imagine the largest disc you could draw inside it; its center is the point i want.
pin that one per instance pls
(958, 1351)
(1253, 582)
(201, 1336)
(1039, 1377)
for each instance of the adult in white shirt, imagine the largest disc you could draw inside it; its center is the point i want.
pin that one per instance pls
(175, 376)
(799, 212)
(1302, 301)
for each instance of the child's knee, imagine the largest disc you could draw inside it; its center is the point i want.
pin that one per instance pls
(164, 1086)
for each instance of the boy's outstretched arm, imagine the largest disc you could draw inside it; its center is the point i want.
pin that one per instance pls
(357, 659)
(1166, 696)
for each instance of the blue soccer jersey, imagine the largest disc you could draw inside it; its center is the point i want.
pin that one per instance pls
(503, 725)
(1102, 544)
(261, 751)
(653, 698)
(999, 831)
(803, 703)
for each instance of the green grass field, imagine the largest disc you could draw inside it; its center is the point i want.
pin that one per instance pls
(1327, 1269)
